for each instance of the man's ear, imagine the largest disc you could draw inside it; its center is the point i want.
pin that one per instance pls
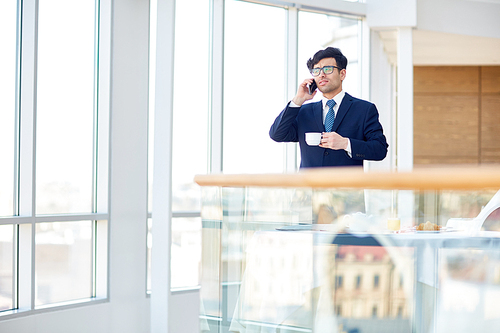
(342, 74)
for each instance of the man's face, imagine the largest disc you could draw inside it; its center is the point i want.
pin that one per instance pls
(331, 84)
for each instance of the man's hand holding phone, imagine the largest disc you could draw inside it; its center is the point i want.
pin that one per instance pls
(306, 91)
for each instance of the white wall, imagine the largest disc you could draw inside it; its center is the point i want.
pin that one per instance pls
(80, 320)
(464, 17)
(467, 17)
(184, 312)
(381, 92)
(391, 13)
(129, 307)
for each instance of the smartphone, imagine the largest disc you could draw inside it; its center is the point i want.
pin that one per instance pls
(312, 87)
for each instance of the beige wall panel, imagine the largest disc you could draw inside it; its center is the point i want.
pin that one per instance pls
(446, 126)
(490, 122)
(448, 79)
(490, 79)
(451, 126)
(438, 160)
(490, 156)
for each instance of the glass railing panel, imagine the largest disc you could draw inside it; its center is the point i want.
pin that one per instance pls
(468, 290)
(210, 280)
(363, 287)
(324, 260)
(277, 286)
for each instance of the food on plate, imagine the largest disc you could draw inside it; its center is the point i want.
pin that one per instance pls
(428, 226)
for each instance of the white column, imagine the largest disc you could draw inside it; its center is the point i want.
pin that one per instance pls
(128, 169)
(405, 100)
(162, 174)
(382, 95)
(381, 90)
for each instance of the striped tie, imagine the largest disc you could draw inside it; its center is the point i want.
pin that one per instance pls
(330, 116)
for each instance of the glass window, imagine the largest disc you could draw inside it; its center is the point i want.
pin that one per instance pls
(255, 59)
(339, 282)
(186, 252)
(63, 261)
(254, 86)
(8, 22)
(191, 100)
(65, 107)
(337, 31)
(6, 268)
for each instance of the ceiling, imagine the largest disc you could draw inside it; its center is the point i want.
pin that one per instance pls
(437, 48)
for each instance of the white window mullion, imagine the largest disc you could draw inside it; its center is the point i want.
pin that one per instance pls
(216, 86)
(15, 273)
(27, 118)
(95, 160)
(26, 158)
(291, 148)
(102, 167)
(25, 272)
(103, 64)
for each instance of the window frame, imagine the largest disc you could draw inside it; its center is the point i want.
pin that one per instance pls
(355, 10)
(25, 218)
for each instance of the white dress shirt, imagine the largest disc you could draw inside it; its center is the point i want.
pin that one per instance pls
(338, 99)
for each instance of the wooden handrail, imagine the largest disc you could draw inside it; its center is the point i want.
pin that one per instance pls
(428, 178)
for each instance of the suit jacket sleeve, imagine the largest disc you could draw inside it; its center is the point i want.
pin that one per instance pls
(284, 128)
(374, 145)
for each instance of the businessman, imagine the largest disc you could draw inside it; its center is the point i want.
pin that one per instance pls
(350, 127)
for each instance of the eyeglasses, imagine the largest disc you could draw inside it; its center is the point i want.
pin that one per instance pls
(327, 70)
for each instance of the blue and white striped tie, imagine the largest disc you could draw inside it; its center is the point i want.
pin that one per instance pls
(330, 116)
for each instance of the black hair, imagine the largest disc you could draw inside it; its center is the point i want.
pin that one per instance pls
(329, 52)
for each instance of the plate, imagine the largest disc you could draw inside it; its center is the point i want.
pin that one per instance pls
(443, 229)
(414, 229)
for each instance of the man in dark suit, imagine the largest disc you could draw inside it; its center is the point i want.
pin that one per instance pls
(356, 133)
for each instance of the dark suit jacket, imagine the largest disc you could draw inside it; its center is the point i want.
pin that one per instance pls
(356, 119)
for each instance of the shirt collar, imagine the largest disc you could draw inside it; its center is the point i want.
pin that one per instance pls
(337, 98)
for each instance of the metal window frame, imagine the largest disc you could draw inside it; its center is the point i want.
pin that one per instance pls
(25, 219)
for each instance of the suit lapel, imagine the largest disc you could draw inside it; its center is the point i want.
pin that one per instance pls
(344, 107)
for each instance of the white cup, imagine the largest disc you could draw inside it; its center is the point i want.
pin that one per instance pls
(313, 139)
